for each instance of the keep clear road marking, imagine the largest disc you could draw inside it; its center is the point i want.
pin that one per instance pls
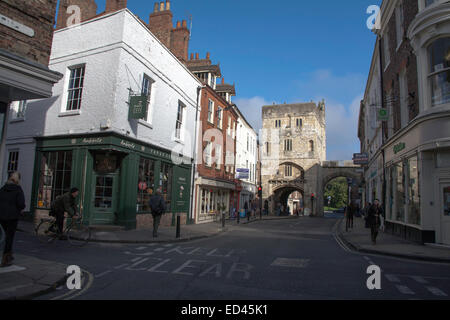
(437, 292)
(291, 263)
(419, 279)
(392, 278)
(404, 290)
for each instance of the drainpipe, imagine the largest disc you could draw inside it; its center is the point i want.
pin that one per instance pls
(194, 171)
(383, 188)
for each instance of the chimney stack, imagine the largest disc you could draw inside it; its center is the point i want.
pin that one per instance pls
(192, 56)
(223, 80)
(168, 5)
(115, 5)
(208, 56)
(184, 24)
(161, 24)
(196, 56)
(178, 24)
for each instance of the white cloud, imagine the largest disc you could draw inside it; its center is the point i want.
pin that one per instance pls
(251, 108)
(342, 129)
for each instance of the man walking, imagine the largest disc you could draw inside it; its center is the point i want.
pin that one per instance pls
(158, 207)
(61, 205)
(12, 203)
(374, 219)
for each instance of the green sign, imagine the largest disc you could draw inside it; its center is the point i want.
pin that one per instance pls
(382, 115)
(399, 147)
(138, 107)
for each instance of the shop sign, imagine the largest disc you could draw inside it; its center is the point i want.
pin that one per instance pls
(242, 174)
(361, 158)
(399, 147)
(382, 114)
(138, 107)
(127, 144)
(92, 140)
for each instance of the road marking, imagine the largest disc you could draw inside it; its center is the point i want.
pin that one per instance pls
(141, 248)
(155, 268)
(12, 289)
(392, 278)
(135, 259)
(419, 279)
(168, 245)
(404, 290)
(121, 266)
(240, 267)
(133, 266)
(102, 274)
(291, 263)
(437, 292)
(139, 254)
(159, 249)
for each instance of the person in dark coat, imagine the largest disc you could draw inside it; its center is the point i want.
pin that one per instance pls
(350, 213)
(374, 219)
(12, 204)
(63, 204)
(246, 207)
(158, 207)
(266, 208)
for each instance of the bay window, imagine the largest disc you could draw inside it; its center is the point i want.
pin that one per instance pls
(439, 71)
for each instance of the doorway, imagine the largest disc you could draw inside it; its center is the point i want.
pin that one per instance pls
(445, 213)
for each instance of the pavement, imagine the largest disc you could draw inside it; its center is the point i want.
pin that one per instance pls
(30, 277)
(359, 239)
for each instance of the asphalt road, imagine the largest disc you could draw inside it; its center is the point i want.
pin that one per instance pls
(281, 260)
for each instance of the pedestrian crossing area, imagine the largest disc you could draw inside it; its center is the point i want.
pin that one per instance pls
(421, 286)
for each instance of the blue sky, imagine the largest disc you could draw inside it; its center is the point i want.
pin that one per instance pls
(286, 51)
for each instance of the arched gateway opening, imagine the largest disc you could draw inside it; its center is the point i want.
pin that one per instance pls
(288, 200)
(340, 189)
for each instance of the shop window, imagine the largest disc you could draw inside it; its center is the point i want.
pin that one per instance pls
(54, 177)
(146, 184)
(13, 162)
(75, 90)
(447, 201)
(166, 184)
(439, 77)
(413, 192)
(399, 193)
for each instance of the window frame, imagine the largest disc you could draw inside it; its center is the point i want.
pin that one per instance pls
(69, 89)
(179, 125)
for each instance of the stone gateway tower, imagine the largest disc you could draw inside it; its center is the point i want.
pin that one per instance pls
(293, 143)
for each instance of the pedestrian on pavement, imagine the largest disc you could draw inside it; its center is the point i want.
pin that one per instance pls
(246, 208)
(374, 218)
(12, 204)
(254, 207)
(61, 205)
(349, 214)
(266, 208)
(158, 207)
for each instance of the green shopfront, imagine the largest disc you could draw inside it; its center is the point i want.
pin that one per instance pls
(116, 176)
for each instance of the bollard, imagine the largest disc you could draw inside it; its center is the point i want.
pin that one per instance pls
(178, 227)
(223, 220)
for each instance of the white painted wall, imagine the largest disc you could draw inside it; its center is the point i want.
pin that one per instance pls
(117, 50)
(242, 154)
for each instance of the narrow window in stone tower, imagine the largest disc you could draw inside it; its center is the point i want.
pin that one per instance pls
(288, 145)
(311, 146)
(288, 171)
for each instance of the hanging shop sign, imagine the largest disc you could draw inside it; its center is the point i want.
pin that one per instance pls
(242, 174)
(138, 107)
(361, 158)
(382, 114)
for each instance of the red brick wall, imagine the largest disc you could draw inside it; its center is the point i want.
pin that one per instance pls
(211, 172)
(115, 5)
(36, 14)
(160, 24)
(402, 58)
(88, 9)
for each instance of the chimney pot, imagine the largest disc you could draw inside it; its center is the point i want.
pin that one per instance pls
(223, 80)
(196, 56)
(178, 24)
(161, 6)
(168, 5)
(156, 7)
(192, 56)
(208, 55)
(185, 24)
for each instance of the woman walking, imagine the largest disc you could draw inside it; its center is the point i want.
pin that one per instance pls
(12, 203)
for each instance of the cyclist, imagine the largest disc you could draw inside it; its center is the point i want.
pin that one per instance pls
(61, 205)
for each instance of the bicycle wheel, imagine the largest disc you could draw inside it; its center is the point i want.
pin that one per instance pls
(46, 232)
(78, 235)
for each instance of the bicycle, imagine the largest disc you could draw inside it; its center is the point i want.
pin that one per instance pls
(77, 233)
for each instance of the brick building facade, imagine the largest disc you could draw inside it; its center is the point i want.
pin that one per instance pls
(26, 33)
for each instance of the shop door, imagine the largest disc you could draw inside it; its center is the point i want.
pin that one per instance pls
(105, 198)
(445, 213)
